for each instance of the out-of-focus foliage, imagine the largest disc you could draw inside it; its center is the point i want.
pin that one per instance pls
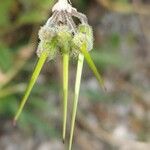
(5, 57)
(108, 54)
(14, 13)
(16, 16)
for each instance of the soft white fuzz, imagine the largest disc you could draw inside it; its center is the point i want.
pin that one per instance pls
(63, 5)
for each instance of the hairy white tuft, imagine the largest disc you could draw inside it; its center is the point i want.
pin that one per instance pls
(46, 33)
(63, 5)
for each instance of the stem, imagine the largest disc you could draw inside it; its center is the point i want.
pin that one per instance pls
(65, 91)
(34, 77)
(75, 103)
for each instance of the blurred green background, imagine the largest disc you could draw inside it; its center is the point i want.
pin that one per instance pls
(117, 119)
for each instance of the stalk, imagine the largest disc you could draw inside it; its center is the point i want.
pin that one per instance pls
(32, 81)
(75, 102)
(65, 91)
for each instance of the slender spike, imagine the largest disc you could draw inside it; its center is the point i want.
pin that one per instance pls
(75, 102)
(91, 64)
(34, 77)
(65, 91)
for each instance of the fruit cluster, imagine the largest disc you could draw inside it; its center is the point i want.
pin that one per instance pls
(64, 40)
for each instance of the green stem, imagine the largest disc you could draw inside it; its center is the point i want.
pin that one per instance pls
(34, 77)
(75, 103)
(65, 91)
(91, 64)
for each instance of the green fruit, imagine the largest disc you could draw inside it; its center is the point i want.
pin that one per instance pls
(64, 37)
(47, 33)
(83, 35)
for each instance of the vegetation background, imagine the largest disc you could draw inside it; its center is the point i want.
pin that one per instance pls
(118, 119)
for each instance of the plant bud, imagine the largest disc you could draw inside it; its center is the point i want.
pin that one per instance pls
(47, 36)
(86, 29)
(46, 33)
(64, 37)
(46, 46)
(84, 35)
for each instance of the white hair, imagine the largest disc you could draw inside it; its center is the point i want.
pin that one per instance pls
(63, 5)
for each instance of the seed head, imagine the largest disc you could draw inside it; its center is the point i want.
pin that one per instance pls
(83, 35)
(46, 33)
(64, 37)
